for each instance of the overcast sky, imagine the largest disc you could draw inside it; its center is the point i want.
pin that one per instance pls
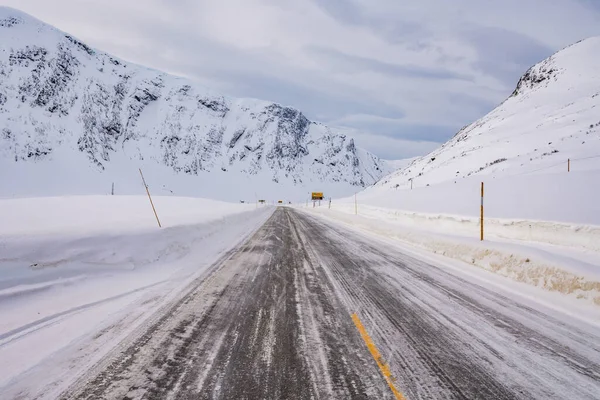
(406, 74)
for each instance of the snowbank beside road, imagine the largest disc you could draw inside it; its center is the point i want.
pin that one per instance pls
(585, 237)
(95, 214)
(572, 271)
(72, 267)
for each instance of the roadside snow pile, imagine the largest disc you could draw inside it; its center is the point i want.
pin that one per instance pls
(571, 271)
(69, 267)
(111, 214)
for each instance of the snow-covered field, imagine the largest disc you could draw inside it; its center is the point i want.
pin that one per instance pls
(73, 269)
(543, 230)
(558, 208)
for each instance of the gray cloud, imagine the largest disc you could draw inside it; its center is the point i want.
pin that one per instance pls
(352, 63)
(356, 13)
(407, 75)
(327, 105)
(343, 10)
(505, 54)
(406, 131)
(391, 148)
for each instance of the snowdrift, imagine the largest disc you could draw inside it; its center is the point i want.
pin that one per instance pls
(79, 268)
(518, 250)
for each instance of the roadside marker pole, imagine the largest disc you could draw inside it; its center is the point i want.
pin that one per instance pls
(481, 210)
(569, 165)
(151, 203)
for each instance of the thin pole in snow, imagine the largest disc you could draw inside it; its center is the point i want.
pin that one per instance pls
(481, 211)
(355, 205)
(569, 165)
(149, 197)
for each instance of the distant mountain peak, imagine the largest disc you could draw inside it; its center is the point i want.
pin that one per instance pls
(561, 63)
(552, 116)
(61, 98)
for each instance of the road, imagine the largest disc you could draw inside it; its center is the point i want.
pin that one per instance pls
(273, 321)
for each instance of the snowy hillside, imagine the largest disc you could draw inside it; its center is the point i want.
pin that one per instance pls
(73, 120)
(552, 116)
(541, 221)
(521, 152)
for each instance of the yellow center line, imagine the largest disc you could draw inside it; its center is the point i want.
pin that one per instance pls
(383, 366)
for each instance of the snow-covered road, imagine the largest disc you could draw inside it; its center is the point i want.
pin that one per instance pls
(273, 320)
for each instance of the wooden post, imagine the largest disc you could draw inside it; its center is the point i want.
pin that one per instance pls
(481, 220)
(569, 165)
(112, 191)
(149, 197)
(355, 205)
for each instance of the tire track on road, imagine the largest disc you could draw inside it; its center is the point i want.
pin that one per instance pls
(273, 321)
(266, 327)
(437, 326)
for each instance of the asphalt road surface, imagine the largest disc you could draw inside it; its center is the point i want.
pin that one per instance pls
(273, 321)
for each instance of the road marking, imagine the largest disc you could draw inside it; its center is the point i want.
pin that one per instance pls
(383, 367)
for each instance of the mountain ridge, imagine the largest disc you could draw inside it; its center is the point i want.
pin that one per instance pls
(56, 92)
(551, 117)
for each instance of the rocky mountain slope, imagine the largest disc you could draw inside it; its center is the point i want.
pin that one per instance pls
(552, 116)
(92, 119)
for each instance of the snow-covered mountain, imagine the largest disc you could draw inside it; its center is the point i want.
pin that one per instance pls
(74, 120)
(552, 116)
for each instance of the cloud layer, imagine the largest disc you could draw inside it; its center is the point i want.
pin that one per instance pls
(407, 75)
